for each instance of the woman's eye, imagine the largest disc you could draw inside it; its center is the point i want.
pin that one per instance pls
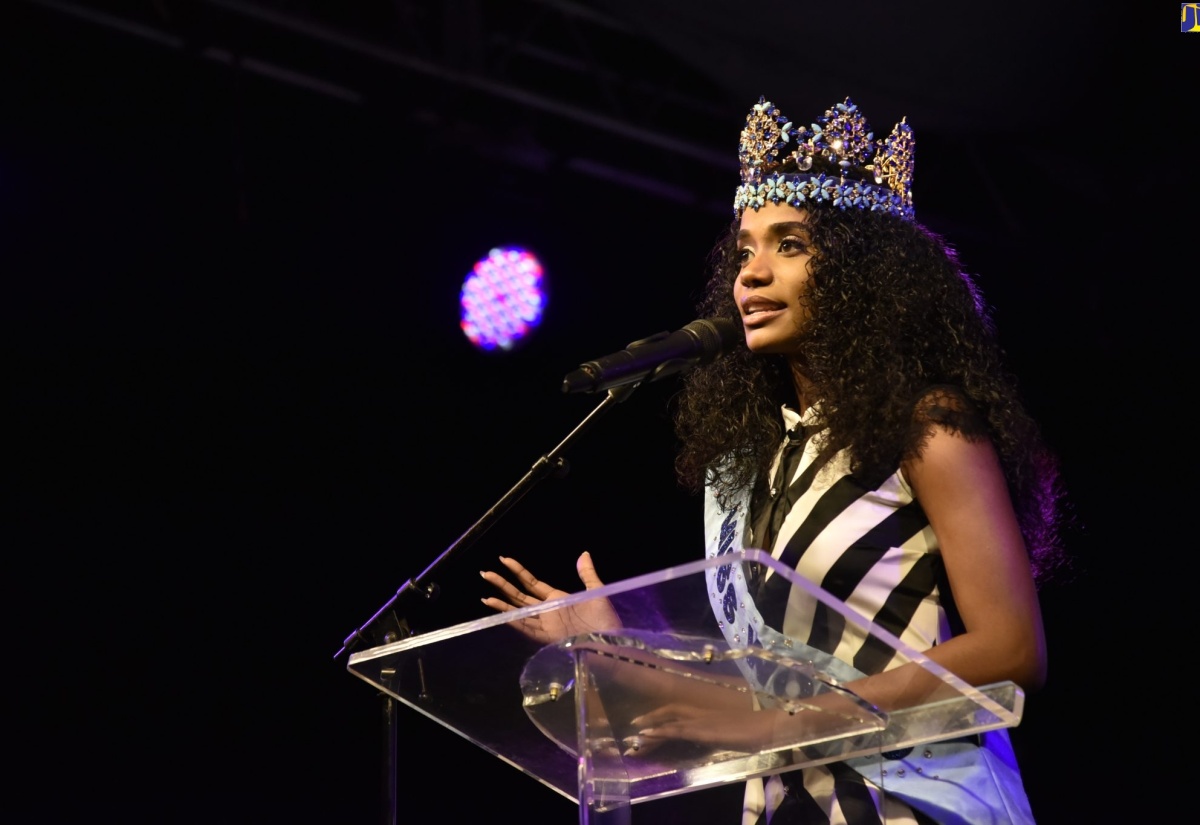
(743, 256)
(791, 245)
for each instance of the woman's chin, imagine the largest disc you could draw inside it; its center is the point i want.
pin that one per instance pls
(760, 342)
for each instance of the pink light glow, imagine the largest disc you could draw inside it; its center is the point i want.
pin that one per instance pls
(502, 299)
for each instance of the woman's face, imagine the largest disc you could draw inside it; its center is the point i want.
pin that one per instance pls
(773, 251)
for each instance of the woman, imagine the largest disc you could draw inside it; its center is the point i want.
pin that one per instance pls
(869, 436)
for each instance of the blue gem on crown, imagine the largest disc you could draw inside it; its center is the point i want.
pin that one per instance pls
(857, 171)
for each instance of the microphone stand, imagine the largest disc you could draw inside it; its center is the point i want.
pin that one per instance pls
(552, 463)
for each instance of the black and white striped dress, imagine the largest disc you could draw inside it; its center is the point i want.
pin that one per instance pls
(869, 544)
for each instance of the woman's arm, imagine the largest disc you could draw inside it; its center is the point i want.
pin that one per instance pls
(959, 483)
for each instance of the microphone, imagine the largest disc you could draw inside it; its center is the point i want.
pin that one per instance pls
(656, 357)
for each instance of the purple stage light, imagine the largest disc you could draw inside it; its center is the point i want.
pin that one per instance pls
(503, 299)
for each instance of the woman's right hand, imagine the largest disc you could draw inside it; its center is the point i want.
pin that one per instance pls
(550, 626)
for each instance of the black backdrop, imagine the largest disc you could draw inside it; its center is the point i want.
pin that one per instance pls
(245, 416)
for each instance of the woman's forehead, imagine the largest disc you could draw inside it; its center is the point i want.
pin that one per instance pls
(770, 215)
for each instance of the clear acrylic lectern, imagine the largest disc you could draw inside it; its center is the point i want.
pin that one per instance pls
(635, 691)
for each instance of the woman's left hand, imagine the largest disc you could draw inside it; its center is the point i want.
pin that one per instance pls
(746, 729)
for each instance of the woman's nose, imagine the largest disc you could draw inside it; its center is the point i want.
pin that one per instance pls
(756, 271)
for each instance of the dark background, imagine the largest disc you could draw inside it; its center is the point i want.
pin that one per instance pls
(233, 236)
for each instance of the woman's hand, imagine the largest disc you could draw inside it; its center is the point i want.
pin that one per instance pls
(553, 625)
(742, 728)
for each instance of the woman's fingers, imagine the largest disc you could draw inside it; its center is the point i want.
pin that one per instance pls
(528, 581)
(510, 591)
(587, 571)
(499, 605)
(531, 583)
(657, 716)
(531, 591)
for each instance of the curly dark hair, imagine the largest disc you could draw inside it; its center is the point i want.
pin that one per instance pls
(893, 318)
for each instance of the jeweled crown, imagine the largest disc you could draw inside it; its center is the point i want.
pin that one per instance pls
(837, 162)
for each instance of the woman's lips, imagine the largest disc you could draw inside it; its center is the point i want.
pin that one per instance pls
(758, 312)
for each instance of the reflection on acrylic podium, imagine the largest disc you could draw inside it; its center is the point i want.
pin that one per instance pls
(634, 692)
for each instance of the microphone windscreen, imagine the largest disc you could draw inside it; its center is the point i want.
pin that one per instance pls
(716, 335)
